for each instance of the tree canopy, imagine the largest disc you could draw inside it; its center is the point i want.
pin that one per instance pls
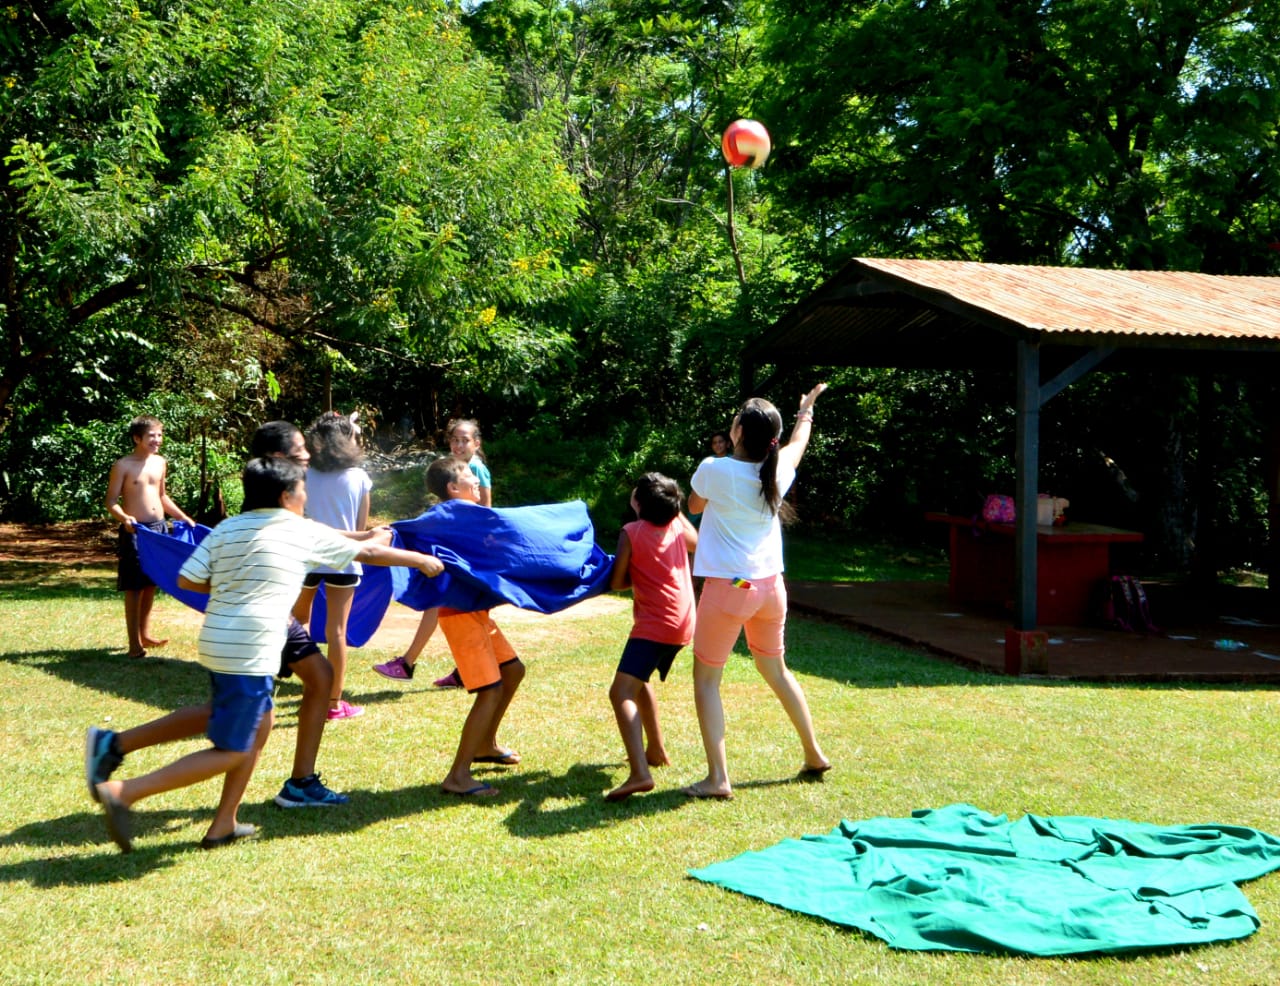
(326, 170)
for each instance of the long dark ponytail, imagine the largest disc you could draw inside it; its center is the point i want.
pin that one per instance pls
(761, 426)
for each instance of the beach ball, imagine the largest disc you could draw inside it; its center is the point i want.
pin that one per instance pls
(745, 143)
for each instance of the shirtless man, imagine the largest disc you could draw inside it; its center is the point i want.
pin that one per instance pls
(136, 495)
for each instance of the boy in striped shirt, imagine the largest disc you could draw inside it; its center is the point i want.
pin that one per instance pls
(252, 566)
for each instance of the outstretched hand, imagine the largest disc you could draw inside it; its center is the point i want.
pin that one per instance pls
(430, 566)
(807, 401)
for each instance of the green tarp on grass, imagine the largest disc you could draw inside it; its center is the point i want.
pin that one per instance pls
(960, 879)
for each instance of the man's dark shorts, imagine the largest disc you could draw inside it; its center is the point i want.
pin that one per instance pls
(298, 646)
(129, 574)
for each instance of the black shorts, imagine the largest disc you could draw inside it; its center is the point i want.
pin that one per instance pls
(640, 658)
(129, 574)
(313, 579)
(298, 646)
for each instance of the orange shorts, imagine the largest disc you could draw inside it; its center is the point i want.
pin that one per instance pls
(725, 609)
(478, 647)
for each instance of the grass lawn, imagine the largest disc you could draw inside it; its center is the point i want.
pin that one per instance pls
(548, 883)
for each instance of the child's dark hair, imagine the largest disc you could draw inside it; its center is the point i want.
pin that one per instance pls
(268, 478)
(273, 438)
(761, 426)
(333, 444)
(443, 471)
(658, 498)
(142, 424)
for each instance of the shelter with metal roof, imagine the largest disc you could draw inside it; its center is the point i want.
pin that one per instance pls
(1050, 325)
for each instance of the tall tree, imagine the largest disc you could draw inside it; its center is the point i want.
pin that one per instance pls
(331, 170)
(1111, 133)
(644, 90)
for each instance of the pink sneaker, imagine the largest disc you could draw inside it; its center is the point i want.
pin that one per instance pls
(451, 680)
(345, 710)
(397, 668)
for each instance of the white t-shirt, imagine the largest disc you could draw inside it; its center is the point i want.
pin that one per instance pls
(738, 536)
(334, 499)
(255, 564)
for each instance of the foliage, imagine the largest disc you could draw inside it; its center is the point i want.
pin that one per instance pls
(1108, 134)
(63, 474)
(331, 171)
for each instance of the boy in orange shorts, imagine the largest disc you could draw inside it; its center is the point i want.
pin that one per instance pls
(486, 663)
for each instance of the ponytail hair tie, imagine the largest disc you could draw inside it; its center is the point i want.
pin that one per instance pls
(773, 445)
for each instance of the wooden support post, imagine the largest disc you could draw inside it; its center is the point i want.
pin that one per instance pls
(1026, 651)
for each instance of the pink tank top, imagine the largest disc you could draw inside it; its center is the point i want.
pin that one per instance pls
(661, 583)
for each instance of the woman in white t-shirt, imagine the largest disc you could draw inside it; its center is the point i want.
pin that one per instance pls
(740, 558)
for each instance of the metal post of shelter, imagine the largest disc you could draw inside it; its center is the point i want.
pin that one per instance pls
(1027, 465)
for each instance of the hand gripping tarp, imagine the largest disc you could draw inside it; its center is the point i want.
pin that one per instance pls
(959, 879)
(543, 558)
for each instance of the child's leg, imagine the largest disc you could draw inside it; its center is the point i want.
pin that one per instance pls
(426, 627)
(179, 725)
(655, 749)
(706, 698)
(302, 605)
(766, 640)
(132, 606)
(774, 670)
(146, 599)
(337, 610)
(512, 675)
(237, 779)
(718, 626)
(316, 675)
(624, 695)
(191, 769)
(478, 725)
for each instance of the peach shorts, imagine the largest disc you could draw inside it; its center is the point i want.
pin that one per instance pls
(478, 647)
(725, 609)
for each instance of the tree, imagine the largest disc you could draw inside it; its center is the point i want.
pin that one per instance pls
(1107, 133)
(331, 171)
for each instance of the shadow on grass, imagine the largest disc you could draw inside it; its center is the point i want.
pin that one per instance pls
(538, 805)
(26, 582)
(166, 682)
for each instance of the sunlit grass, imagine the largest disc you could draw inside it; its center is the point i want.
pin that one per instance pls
(548, 883)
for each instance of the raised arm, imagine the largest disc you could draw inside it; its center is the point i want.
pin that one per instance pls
(793, 451)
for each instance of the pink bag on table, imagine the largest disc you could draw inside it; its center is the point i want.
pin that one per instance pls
(998, 509)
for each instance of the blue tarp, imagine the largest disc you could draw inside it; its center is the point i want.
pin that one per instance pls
(960, 879)
(543, 558)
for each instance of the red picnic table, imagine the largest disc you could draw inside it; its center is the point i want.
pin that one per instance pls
(1070, 560)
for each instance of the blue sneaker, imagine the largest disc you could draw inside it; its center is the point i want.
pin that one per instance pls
(309, 793)
(100, 761)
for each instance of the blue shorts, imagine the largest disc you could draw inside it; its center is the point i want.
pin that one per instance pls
(238, 705)
(640, 658)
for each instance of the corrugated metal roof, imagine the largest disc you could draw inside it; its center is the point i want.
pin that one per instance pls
(1131, 302)
(947, 314)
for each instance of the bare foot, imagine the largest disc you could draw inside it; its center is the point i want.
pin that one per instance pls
(152, 642)
(632, 785)
(701, 791)
(657, 758)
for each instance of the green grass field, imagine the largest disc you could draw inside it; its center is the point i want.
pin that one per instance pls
(548, 883)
